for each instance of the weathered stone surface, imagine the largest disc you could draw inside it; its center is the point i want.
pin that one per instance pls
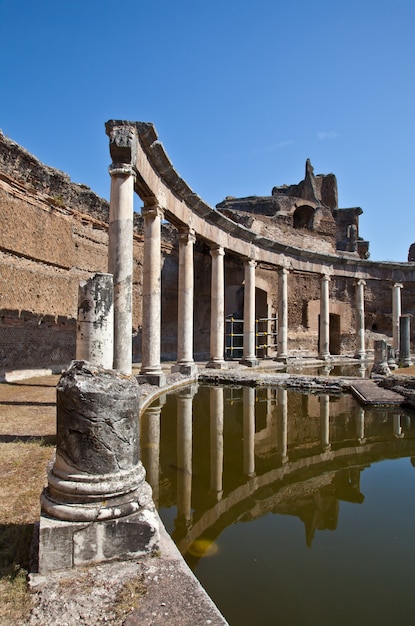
(97, 428)
(97, 473)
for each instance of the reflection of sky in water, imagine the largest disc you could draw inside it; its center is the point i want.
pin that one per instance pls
(355, 514)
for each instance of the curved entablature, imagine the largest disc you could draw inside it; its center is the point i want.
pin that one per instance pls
(156, 182)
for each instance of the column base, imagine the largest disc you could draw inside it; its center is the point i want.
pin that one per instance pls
(361, 356)
(281, 359)
(188, 369)
(64, 545)
(325, 357)
(249, 362)
(158, 379)
(217, 365)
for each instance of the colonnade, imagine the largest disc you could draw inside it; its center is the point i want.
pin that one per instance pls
(120, 265)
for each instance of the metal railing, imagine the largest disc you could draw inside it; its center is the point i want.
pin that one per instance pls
(266, 333)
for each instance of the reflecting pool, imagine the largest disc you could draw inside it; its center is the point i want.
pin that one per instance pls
(290, 508)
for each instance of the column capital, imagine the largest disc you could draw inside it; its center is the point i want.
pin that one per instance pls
(360, 282)
(250, 262)
(121, 169)
(152, 210)
(325, 278)
(397, 286)
(217, 251)
(186, 234)
(123, 141)
(283, 270)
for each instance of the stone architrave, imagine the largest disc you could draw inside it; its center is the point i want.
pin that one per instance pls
(282, 341)
(324, 317)
(217, 310)
(120, 261)
(185, 362)
(151, 334)
(249, 356)
(97, 505)
(95, 324)
(360, 320)
(405, 340)
(396, 314)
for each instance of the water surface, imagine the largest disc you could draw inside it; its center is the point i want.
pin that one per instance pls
(290, 508)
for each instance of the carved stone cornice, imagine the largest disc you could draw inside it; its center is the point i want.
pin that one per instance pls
(123, 142)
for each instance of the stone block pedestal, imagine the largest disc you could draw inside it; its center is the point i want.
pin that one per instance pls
(97, 505)
(63, 544)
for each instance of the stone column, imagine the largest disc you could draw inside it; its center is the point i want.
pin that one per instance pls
(120, 261)
(360, 320)
(360, 425)
(185, 363)
(249, 356)
(95, 324)
(396, 313)
(217, 310)
(151, 368)
(216, 441)
(405, 340)
(282, 340)
(97, 505)
(325, 421)
(249, 430)
(397, 427)
(324, 317)
(150, 445)
(184, 454)
(283, 425)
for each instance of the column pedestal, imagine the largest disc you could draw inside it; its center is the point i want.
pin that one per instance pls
(97, 505)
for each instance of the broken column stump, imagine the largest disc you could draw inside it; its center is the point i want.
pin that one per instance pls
(380, 364)
(97, 505)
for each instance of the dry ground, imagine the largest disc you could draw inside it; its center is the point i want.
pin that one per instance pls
(27, 437)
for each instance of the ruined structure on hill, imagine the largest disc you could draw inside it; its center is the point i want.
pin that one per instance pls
(54, 233)
(306, 215)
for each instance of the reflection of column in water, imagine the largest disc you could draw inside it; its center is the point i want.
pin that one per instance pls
(360, 425)
(361, 370)
(397, 428)
(283, 425)
(325, 421)
(249, 430)
(184, 454)
(150, 446)
(216, 441)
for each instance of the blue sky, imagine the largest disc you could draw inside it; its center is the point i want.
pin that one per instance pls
(241, 93)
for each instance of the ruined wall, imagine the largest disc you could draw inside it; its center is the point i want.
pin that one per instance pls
(45, 250)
